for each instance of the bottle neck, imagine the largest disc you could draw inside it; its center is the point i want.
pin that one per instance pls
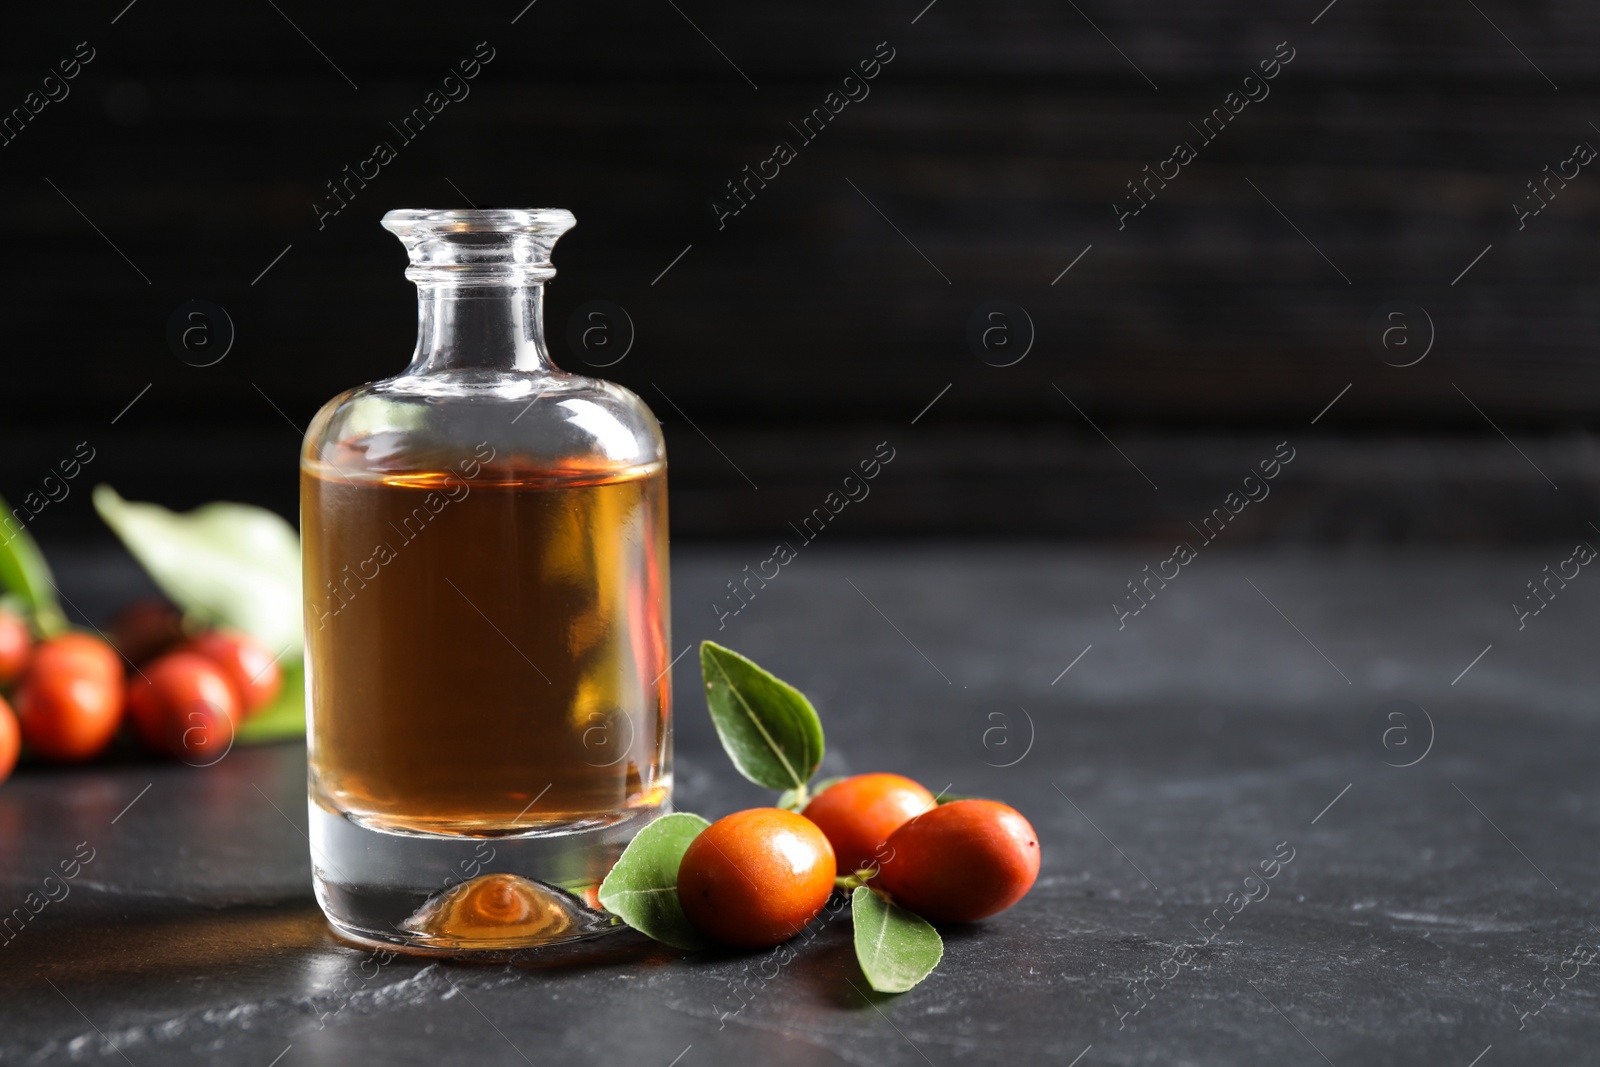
(496, 327)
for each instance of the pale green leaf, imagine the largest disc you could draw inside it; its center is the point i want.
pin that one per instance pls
(642, 889)
(24, 572)
(767, 726)
(224, 564)
(895, 948)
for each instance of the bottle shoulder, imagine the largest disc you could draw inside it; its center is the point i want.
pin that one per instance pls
(550, 423)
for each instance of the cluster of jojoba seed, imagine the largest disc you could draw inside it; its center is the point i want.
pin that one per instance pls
(757, 877)
(184, 695)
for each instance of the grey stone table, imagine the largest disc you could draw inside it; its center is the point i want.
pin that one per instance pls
(1260, 707)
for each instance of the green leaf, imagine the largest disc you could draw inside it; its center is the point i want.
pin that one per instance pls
(642, 889)
(797, 799)
(767, 726)
(282, 719)
(895, 948)
(224, 564)
(24, 572)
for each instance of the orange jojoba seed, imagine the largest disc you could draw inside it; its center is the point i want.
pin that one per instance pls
(10, 740)
(70, 702)
(858, 815)
(184, 706)
(81, 653)
(756, 878)
(246, 663)
(16, 647)
(962, 861)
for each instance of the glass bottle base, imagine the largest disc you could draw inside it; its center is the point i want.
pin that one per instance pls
(453, 895)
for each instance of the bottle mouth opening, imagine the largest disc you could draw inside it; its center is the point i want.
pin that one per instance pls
(477, 246)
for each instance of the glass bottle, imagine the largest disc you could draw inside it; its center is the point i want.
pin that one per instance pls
(488, 680)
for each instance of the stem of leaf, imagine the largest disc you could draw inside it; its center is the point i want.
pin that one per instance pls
(794, 799)
(850, 882)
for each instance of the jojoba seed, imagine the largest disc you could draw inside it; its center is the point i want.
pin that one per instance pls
(755, 878)
(859, 813)
(962, 861)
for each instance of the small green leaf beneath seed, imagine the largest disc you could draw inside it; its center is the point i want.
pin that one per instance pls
(642, 889)
(895, 948)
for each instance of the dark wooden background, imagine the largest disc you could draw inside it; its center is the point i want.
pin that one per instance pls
(809, 329)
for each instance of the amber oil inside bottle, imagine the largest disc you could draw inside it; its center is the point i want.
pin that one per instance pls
(488, 645)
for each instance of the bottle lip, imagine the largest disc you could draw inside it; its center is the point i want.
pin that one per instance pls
(479, 246)
(404, 222)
